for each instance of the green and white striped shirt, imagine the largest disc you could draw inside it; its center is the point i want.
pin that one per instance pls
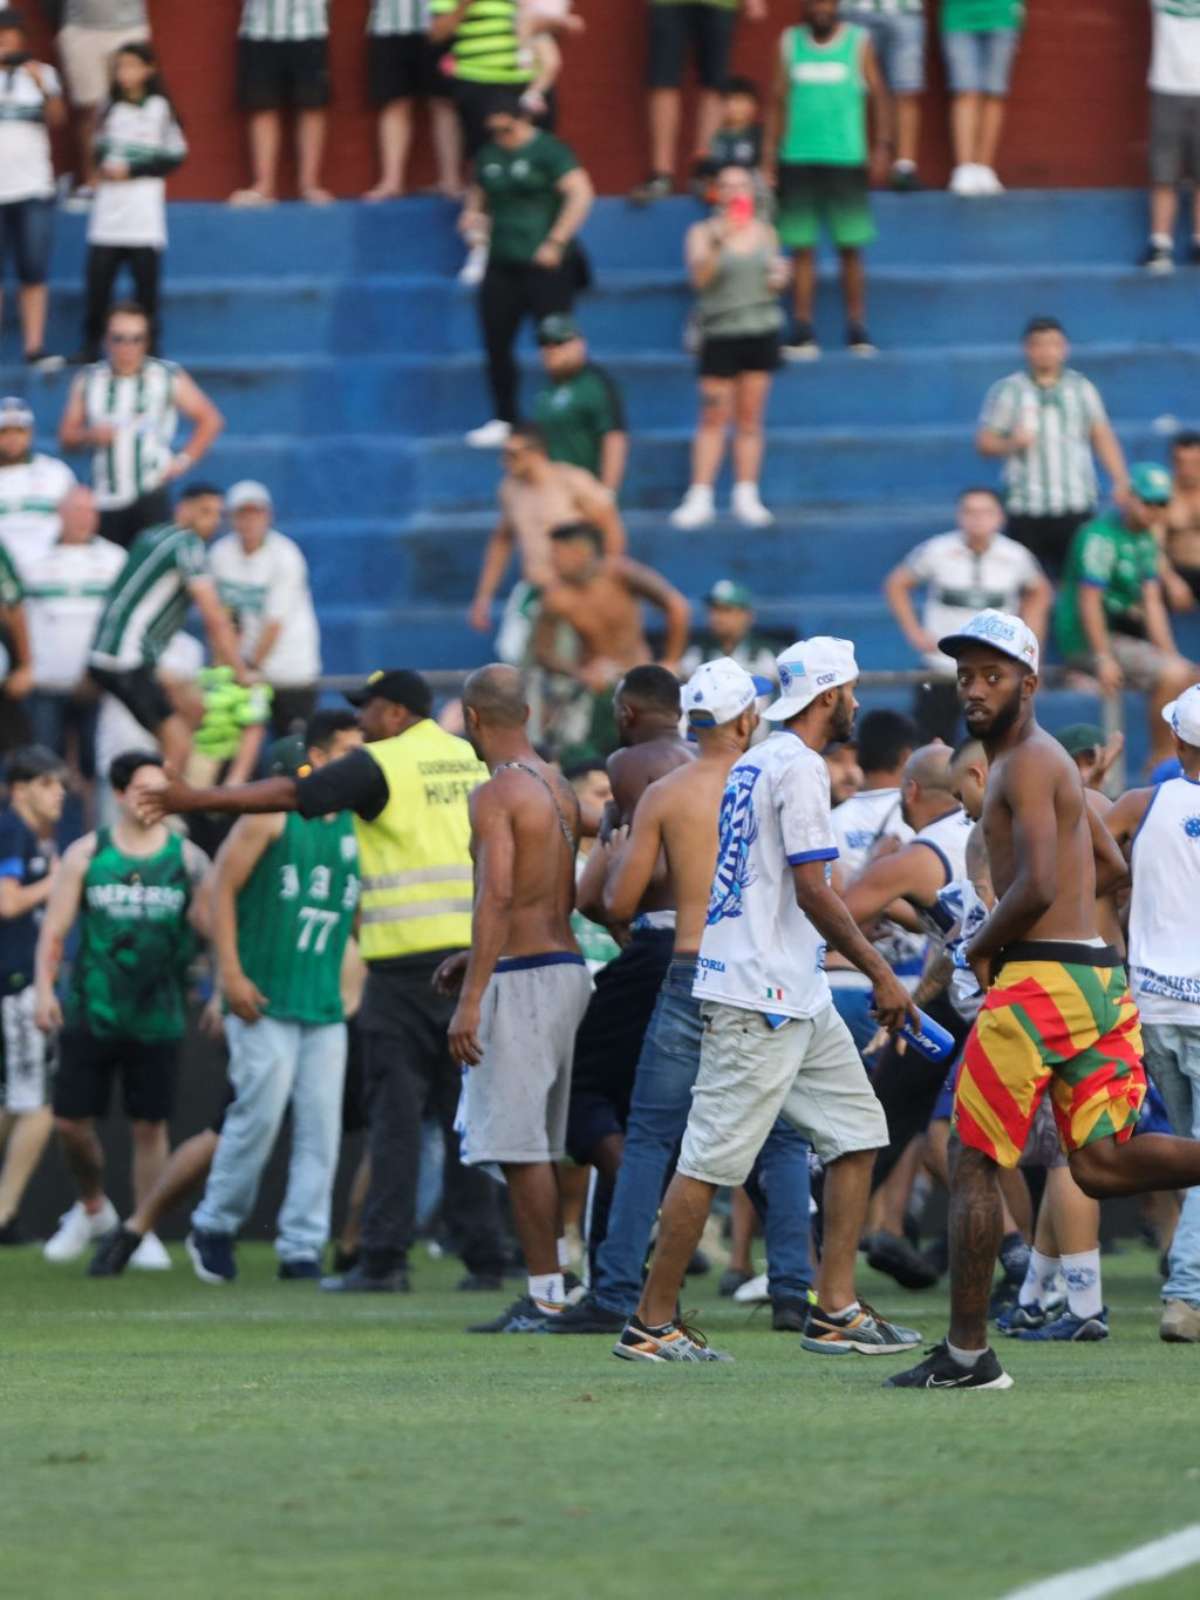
(148, 602)
(284, 20)
(1057, 474)
(141, 410)
(398, 16)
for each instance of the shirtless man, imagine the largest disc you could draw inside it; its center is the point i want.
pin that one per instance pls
(1058, 1014)
(523, 985)
(1182, 579)
(677, 819)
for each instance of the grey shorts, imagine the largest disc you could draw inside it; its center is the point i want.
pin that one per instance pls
(26, 1056)
(899, 43)
(1141, 662)
(1174, 137)
(808, 1072)
(514, 1106)
(980, 63)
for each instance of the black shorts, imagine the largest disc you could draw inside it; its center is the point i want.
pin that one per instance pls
(275, 74)
(1048, 538)
(729, 357)
(139, 691)
(354, 1085)
(122, 524)
(609, 1040)
(475, 103)
(405, 66)
(1174, 138)
(709, 32)
(1190, 576)
(87, 1066)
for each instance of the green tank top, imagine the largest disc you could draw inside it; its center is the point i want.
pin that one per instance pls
(294, 916)
(737, 302)
(135, 943)
(826, 121)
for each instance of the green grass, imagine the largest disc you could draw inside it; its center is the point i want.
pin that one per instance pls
(160, 1438)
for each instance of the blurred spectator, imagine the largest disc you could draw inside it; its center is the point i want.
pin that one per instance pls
(979, 41)
(30, 104)
(283, 64)
(16, 666)
(541, 23)
(845, 774)
(737, 271)
(1044, 423)
(65, 590)
(591, 783)
(817, 141)
(91, 32)
(31, 487)
(738, 139)
(262, 577)
(730, 632)
(971, 568)
(138, 141)
(1110, 619)
(535, 198)
(177, 674)
(897, 30)
(125, 408)
(1174, 128)
(485, 55)
(706, 27)
(404, 66)
(1183, 518)
(580, 412)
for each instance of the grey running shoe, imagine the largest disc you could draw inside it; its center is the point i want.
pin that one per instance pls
(674, 1342)
(865, 1333)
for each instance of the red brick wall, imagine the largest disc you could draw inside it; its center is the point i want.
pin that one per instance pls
(1077, 113)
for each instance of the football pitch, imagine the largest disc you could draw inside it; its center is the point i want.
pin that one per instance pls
(162, 1438)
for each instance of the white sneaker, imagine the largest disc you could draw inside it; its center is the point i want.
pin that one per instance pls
(964, 180)
(696, 509)
(471, 272)
(987, 182)
(151, 1255)
(492, 435)
(747, 508)
(77, 1229)
(753, 1293)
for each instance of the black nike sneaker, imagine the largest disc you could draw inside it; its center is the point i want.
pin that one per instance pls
(523, 1316)
(113, 1251)
(586, 1316)
(939, 1370)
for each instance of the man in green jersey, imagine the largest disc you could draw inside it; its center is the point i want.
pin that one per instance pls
(580, 411)
(1110, 618)
(167, 571)
(135, 891)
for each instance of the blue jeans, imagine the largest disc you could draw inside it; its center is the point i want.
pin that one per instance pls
(854, 1008)
(1173, 1062)
(658, 1113)
(270, 1064)
(981, 63)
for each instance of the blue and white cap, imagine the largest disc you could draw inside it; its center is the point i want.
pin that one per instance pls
(1182, 716)
(998, 630)
(806, 670)
(718, 692)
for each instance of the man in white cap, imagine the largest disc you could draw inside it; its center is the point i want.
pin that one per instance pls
(1163, 824)
(676, 818)
(262, 578)
(32, 486)
(773, 1042)
(1058, 1015)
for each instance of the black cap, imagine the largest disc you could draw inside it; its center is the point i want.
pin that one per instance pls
(288, 757)
(399, 685)
(12, 17)
(34, 761)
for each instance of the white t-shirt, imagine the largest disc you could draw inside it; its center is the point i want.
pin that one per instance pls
(26, 169)
(759, 950)
(271, 585)
(1175, 53)
(858, 824)
(30, 494)
(1164, 950)
(65, 589)
(959, 582)
(134, 211)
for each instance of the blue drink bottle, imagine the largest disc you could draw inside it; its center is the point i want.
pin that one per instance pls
(933, 1041)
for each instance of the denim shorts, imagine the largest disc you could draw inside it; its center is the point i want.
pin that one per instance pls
(899, 43)
(980, 63)
(27, 231)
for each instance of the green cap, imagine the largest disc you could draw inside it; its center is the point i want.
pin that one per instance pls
(288, 758)
(1150, 482)
(1080, 736)
(558, 328)
(727, 592)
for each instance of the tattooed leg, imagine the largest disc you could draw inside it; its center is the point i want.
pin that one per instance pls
(976, 1225)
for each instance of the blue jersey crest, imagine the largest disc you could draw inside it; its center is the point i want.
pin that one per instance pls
(737, 831)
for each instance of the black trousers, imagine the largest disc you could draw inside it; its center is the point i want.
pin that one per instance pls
(908, 1087)
(104, 261)
(507, 295)
(1048, 538)
(408, 1072)
(122, 524)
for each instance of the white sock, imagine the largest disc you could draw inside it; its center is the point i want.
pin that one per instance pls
(1082, 1273)
(564, 1254)
(965, 1358)
(547, 1289)
(1039, 1279)
(846, 1312)
(1161, 241)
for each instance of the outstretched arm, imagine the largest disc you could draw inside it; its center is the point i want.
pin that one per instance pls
(914, 870)
(495, 855)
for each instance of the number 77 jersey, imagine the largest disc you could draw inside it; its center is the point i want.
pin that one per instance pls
(294, 915)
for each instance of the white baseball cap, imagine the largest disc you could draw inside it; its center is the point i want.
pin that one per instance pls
(806, 670)
(248, 493)
(999, 630)
(718, 692)
(1183, 716)
(14, 413)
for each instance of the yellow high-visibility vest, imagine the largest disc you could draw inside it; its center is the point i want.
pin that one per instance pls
(416, 854)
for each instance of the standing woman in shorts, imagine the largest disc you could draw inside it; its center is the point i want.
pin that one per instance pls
(404, 66)
(979, 40)
(734, 264)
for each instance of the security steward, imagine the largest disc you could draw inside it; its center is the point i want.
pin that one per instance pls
(407, 787)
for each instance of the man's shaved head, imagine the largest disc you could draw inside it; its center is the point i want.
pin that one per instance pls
(929, 767)
(496, 695)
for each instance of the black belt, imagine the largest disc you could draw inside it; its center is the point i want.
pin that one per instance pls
(1062, 951)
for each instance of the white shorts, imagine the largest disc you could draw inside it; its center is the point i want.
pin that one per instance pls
(26, 1056)
(514, 1106)
(808, 1072)
(86, 54)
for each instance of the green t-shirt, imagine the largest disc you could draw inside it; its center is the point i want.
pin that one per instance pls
(295, 913)
(825, 123)
(575, 414)
(1106, 555)
(521, 190)
(981, 16)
